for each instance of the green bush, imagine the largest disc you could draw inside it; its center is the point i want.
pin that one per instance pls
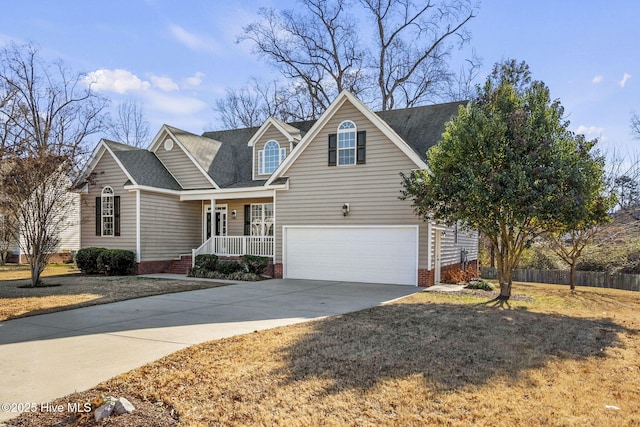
(87, 260)
(206, 262)
(479, 284)
(255, 264)
(116, 262)
(228, 267)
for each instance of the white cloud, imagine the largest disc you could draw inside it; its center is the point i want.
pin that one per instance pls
(625, 79)
(597, 79)
(195, 80)
(591, 130)
(164, 83)
(174, 104)
(193, 41)
(118, 81)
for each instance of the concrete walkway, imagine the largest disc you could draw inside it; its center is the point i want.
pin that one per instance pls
(49, 356)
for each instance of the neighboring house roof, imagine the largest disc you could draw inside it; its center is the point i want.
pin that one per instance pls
(143, 166)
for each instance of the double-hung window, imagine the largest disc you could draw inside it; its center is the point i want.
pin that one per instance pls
(347, 143)
(347, 146)
(270, 157)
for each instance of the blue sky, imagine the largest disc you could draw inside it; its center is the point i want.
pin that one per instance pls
(177, 58)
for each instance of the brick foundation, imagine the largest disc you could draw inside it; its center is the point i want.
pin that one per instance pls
(425, 277)
(277, 271)
(150, 267)
(180, 266)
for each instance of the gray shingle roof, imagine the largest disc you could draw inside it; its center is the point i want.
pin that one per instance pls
(421, 127)
(227, 158)
(234, 160)
(143, 166)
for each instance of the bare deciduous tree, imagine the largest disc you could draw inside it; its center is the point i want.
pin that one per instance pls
(130, 127)
(252, 104)
(319, 48)
(47, 114)
(403, 60)
(413, 47)
(635, 124)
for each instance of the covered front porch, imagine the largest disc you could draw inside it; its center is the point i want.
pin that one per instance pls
(241, 223)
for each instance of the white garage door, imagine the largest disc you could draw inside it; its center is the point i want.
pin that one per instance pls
(357, 254)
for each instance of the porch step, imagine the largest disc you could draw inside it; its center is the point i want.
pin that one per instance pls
(180, 266)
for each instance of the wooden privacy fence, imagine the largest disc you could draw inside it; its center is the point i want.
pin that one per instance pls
(627, 282)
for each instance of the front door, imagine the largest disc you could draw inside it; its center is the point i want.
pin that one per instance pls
(220, 223)
(221, 220)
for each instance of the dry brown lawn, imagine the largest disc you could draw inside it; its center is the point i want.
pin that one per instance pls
(553, 359)
(76, 290)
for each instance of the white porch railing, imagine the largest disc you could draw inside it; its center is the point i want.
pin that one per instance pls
(235, 246)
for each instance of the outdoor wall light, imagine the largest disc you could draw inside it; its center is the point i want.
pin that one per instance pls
(234, 213)
(345, 209)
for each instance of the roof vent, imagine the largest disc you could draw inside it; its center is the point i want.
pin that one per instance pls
(168, 144)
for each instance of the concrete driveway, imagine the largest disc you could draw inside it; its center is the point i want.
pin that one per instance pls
(49, 356)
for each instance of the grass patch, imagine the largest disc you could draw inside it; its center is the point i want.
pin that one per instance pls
(553, 358)
(21, 271)
(65, 289)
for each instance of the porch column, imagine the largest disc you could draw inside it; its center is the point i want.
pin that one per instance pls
(214, 226)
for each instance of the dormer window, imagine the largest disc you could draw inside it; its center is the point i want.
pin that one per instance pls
(270, 157)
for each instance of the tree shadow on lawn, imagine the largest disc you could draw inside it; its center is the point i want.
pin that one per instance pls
(450, 345)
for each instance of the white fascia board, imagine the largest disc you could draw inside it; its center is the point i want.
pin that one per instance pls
(232, 193)
(83, 190)
(136, 187)
(265, 126)
(158, 138)
(226, 193)
(328, 114)
(95, 157)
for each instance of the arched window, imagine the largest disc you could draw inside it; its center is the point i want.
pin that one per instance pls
(270, 158)
(108, 211)
(347, 143)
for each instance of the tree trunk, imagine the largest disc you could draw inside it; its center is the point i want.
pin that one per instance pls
(493, 257)
(572, 276)
(505, 291)
(505, 273)
(36, 265)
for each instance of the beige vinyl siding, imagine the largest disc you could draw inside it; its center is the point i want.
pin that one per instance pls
(182, 168)
(317, 191)
(168, 227)
(235, 226)
(271, 133)
(108, 173)
(450, 250)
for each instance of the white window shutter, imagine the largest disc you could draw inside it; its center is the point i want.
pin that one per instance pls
(260, 162)
(283, 154)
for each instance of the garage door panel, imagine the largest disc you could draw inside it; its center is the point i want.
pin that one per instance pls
(365, 254)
